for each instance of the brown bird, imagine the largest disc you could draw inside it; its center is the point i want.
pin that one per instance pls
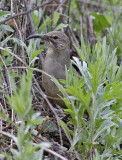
(57, 57)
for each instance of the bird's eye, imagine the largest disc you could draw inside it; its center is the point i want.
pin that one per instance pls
(55, 37)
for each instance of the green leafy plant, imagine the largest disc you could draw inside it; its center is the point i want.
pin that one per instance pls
(99, 22)
(32, 52)
(93, 102)
(4, 27)
(46, 26)
(114, 35)
(21, 102)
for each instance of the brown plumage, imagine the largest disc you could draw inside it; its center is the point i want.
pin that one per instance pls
(58, 55)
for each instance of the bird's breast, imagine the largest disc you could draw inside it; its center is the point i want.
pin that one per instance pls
(55, 67)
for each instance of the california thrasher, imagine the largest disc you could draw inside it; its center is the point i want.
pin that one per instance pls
(58, 55)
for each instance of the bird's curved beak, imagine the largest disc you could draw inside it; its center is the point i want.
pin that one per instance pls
(42, 36)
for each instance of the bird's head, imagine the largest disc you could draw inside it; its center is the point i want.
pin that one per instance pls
(55, 40)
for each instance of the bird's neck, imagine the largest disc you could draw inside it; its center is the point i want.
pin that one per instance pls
(54, 52)
(62, 56)
(50, 51)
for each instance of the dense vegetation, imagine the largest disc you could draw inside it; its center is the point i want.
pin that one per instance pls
(91, 126)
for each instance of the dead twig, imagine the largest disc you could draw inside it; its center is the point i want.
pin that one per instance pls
(18, 58)
(24, 13)
(33, 29)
